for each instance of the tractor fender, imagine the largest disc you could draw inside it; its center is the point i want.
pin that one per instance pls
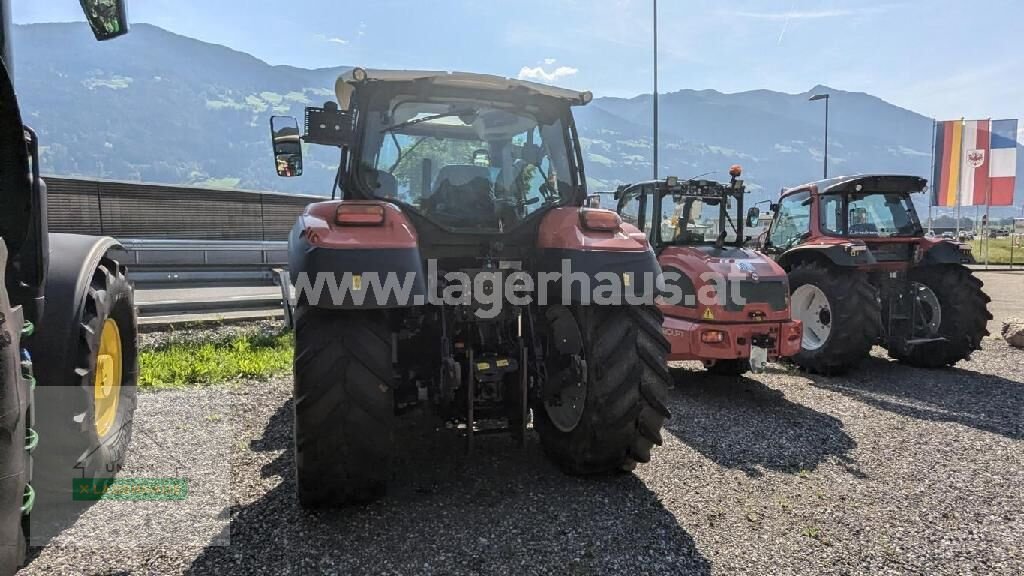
(343, 267)
(73, 259)
(837, 254)
(577, 260)
(945, 253)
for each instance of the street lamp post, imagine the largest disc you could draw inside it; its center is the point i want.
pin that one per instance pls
(655, 120)
(824, 97)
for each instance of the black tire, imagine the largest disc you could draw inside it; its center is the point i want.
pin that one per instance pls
(627, 385)
(855, 317)
(964, 313)
(70, 445)
(736, 367)
(344, 406)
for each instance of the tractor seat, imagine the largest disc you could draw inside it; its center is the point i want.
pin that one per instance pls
(462, 197)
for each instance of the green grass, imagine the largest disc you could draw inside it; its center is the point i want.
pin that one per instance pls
(998, 251)
(183, 363)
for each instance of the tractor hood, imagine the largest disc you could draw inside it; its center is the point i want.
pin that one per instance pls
(728, 261)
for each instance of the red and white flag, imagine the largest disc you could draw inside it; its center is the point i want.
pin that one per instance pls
(1003, 166)
(974, 163)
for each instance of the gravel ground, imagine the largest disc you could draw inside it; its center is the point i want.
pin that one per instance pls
(888, 470)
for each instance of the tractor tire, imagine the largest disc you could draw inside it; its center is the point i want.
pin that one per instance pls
(344, 406)
(848, 322)
(737, 367)
(964, 317)
(86, 399)
(627, 381)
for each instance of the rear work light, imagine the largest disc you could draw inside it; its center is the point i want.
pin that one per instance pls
(601, 220)
(359, 215)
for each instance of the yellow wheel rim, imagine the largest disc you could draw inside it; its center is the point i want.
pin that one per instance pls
(107, 385)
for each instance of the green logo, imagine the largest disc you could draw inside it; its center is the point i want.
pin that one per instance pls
(90, 489)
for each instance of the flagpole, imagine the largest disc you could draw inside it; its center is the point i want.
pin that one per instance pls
(988, 193)
(931, 175)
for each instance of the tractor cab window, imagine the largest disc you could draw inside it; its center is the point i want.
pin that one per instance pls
(691, 220)
(466, 165)
(635, 208)
(792, 221)
(869, 214)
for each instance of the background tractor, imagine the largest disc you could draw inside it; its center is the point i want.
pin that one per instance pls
(67, 322)
(449, 181)
(862, 272)
(724, 304)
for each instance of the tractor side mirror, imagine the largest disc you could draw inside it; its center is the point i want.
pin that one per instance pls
(107, 18)
(284, 130)
(752, 215)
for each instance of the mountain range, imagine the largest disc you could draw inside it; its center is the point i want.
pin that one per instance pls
(155, 106)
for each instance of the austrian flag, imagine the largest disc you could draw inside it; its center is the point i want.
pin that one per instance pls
(1003, 162)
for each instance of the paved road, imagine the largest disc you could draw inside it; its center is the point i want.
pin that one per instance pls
(1006, 289)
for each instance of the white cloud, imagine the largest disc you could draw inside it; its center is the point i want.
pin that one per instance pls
(539, 74)
(336, 40)
(549, 61)
(788, 15)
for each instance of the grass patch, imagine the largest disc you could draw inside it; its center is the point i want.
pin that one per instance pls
(182, 363)
(998, 251)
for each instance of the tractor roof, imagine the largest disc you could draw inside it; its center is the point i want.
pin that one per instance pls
(467, 80)
(872, 182)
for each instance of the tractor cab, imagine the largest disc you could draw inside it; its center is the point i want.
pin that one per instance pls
(458, 153)
(871, 221)
(724, 304)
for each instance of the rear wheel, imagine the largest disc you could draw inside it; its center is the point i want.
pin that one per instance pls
(344, 406)
(949, 304)
(840, 313)
(86, 398)
(609, 411)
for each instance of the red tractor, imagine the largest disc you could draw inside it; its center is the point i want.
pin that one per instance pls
(458, 265)
(724, 304)
(862, 272)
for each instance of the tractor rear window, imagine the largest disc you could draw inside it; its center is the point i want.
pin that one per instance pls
(466, 165)
(869, 214)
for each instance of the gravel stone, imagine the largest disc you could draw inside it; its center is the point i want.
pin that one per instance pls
(1013, 332)
(888, 470)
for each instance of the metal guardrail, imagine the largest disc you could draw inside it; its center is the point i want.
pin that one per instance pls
(166, 261)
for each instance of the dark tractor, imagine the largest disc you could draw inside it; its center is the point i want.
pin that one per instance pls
(67, 323)
(465, 193)
(724, 304)
(862, 272)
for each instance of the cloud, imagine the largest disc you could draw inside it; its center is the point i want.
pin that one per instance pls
(331, 39)
(788, 15)
(549, 61)
(539, 74)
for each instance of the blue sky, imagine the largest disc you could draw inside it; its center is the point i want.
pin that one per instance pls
(944, 58)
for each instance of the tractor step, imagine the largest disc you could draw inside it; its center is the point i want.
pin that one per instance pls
(919, 341)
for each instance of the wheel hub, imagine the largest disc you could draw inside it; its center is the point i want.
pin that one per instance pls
(927, 310)
(107, 381)
(811, 306)
(566, 400)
